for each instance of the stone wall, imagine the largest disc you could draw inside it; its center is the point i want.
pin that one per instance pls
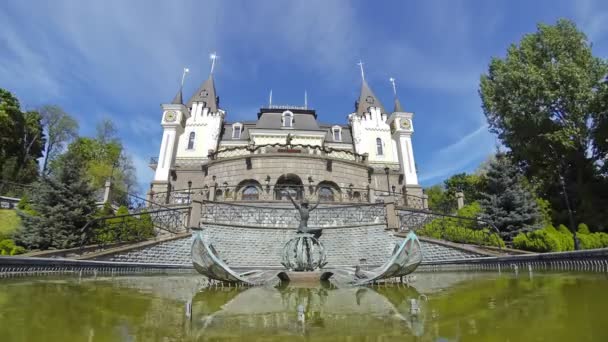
(261, 247)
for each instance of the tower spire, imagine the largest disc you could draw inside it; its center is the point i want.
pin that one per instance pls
(360, 64)
(367, 98)
(213, 56)
(178, 99)
(398, 107)
(206, 92)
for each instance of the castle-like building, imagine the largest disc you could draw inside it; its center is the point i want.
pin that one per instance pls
(287, 148)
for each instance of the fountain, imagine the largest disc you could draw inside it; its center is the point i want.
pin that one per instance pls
(304, 258)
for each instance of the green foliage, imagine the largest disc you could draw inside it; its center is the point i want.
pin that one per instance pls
(506, 203)
(63, 202)
(458, 230)
(9, 223)
(547, 103)
(21, 141)
(583, 229)
(60, 128)
(561, 239)
(104, 157)
(442, 198)
(8, 247)
(544, 210)
(122, 227)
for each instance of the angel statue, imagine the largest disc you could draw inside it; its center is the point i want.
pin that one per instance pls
(304, 210)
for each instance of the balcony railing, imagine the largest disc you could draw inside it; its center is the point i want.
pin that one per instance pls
(315, 150)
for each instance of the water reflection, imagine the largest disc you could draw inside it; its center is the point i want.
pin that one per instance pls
(440, 307)
(290, 310)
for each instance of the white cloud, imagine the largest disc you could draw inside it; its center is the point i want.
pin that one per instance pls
(458, 156)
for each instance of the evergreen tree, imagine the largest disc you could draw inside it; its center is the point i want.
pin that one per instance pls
(63, 203)
(506, 202)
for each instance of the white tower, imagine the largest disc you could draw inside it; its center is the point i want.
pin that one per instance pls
(173, 121)
(402, 129)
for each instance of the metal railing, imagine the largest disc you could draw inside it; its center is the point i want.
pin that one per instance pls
(19, 266)
(475, 231)
(288, 217)
(271, 193)
(595, 260)
(314, 150)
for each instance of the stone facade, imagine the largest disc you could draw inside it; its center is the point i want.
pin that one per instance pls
(287, 148)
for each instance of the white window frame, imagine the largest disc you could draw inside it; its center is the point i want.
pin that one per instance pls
(284, 117)
(236, 126)
(337, 129)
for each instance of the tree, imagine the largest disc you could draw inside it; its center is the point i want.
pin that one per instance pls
(63, 203)
(541, 101)
(21, 140)
(60, 129)
(506, 203)
(105, 158)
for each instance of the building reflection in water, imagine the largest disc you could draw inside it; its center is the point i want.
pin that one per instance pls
(319, 311)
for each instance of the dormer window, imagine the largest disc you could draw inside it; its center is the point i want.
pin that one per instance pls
(237, 130)
(191, 138)
(337, 133)
(287, 119)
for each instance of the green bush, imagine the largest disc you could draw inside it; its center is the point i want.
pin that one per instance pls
(123, 229)
(454, 229)
(583, 229)
(561, 239)
(8, 247)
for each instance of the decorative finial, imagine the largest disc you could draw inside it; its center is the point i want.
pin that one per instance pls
(360, 64)
(213, 57)
(186, 70)
(392, 80)
(270, 99)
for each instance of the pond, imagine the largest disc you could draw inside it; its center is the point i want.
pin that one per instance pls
(452, 307)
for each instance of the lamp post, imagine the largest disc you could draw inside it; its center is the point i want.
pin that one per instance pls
(189, 187)
(388, 182)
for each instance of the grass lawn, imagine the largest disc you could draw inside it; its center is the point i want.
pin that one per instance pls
(9, 221)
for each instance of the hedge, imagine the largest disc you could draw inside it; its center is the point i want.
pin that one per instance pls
(452, 229)
(550, 239)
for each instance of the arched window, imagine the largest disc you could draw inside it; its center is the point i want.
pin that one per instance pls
(326, 194)
(287, 119)
(379, 150)
(191, 141)
(251, 193)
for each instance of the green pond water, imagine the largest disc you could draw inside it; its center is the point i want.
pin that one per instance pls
(453, 307)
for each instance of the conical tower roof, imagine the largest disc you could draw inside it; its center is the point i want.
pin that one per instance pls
(206, 93)
(178, 99)
(398, 107)
(367, 99)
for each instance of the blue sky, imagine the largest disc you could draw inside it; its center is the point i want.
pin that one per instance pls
(121, 59)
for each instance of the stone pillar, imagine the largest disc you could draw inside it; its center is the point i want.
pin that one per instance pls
(425, 201)
(212, 192)
(107, 191)
(460, 199)
(196, 203)
(392, 221)
(371, 195)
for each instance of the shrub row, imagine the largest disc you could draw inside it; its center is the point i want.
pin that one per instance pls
(550, 239)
